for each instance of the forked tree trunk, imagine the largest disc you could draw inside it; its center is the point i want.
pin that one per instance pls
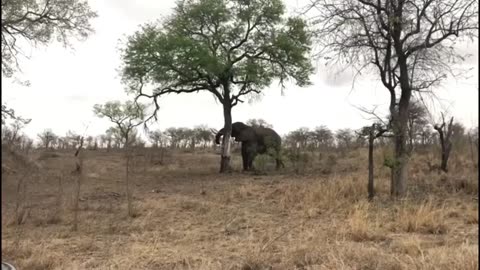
(445, 142)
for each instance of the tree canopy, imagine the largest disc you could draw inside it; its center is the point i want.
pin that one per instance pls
(126, 116)
(229, 48)
(38, 22)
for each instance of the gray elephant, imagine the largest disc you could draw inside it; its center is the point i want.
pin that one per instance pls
(255, 140)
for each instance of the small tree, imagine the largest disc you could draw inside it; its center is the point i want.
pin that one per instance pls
(344, 138)
(323, 136)
(231, 49)
(156, 137)
(204, 135)
(445, 132)
(47, 137)
(11, 135)
(72, 139)
(126, 116)
(372, 132)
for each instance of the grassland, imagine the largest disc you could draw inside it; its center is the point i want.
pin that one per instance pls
(187, 216)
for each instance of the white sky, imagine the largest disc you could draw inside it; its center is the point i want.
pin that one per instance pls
(65, 84)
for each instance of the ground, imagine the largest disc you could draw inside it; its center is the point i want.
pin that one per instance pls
(188, 216)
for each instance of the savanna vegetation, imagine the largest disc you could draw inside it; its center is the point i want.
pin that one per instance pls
(399, 193)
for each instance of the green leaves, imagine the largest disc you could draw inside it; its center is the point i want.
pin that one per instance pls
(230, 48)
(125, 115)
(39, 22)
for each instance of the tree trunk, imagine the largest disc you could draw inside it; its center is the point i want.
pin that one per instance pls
(399, 178)
(370, 187)
(226, 147)
(127, 178)
(445, 154)
(445, 142)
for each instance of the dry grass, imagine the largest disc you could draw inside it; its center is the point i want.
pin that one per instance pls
(194, 218)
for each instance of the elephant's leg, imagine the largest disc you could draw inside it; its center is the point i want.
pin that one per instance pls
(251, 159)
(278, 160)
(251, 150)
(245, 156)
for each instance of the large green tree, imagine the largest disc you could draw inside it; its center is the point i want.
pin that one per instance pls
(232, 49)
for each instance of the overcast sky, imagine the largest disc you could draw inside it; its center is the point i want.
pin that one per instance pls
(66, 83)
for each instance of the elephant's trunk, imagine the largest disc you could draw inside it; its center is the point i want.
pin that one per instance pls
(219, 134)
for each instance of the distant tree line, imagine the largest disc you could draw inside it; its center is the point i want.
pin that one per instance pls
(422, 134)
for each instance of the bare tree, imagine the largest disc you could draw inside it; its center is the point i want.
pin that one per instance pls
(409, 43)
(445, 133)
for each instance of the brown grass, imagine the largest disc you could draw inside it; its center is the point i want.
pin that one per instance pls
(194, 218)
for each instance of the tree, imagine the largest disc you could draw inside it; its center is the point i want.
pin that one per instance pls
(447, 133)
(299, 138)
(38, 22)
(373, 132)
(157, 138)
(126, 116)
(204, 134)
(231, 49)
(344, 138)
(11, 135)
(409, 43)
(258, 123)
(323, 136)
(72, 139)
(171, 132)
(47, 137)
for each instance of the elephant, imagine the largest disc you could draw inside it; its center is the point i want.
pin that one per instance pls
(255, 140)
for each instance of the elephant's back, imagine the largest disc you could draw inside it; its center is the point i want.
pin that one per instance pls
(269, 138)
